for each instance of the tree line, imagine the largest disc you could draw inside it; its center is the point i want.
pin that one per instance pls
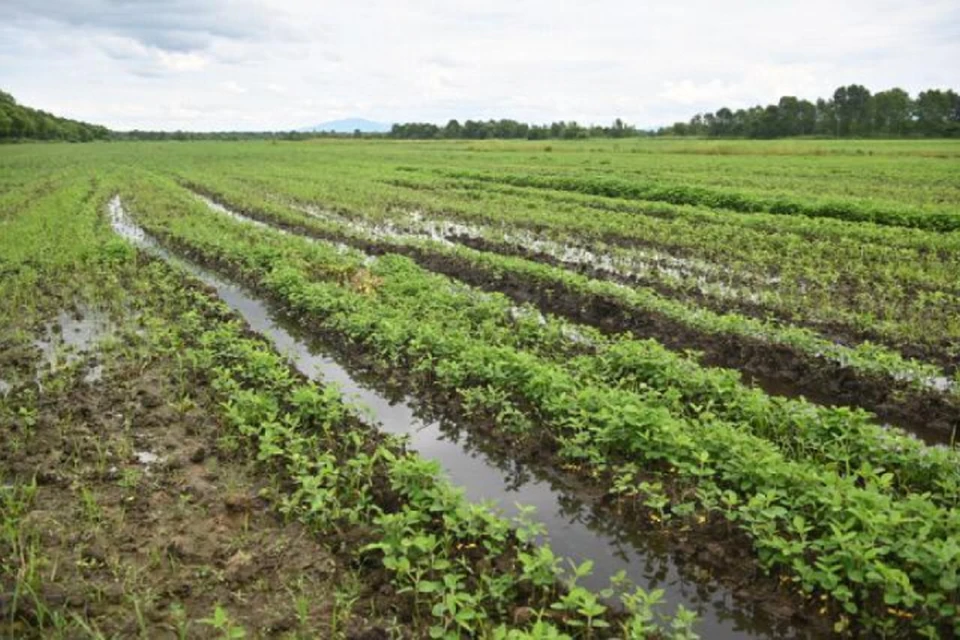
(853, 111)
(20, 122)
(137, 134)
(510, 129)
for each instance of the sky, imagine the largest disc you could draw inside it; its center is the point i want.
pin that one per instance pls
(204, 65)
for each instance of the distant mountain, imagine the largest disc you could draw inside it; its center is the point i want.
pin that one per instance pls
(349, 125)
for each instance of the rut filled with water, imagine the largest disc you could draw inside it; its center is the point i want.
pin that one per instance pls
(577, 528)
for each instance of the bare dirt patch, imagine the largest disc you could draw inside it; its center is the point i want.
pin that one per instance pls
(145, 519)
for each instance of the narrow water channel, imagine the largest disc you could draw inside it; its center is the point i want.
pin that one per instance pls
(576, 528)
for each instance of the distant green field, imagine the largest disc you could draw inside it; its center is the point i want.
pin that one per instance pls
(756, 341)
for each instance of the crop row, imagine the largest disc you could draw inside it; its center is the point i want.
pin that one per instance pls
(463, 569)
(869, 373)
(898, 289)
(842, 535)
(840, 438)
(940, 221)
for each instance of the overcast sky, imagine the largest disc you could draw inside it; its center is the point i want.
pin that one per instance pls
(255, 64)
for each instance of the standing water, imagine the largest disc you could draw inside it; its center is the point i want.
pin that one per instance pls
(576, 529)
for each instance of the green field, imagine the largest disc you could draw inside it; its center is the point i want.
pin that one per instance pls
(742, 356)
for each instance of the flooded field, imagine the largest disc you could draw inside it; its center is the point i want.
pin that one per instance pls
(351, 389)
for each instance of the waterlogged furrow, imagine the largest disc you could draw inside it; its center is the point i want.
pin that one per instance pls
(831, 276)
(789, 509)
(626, 264)
(871, 357)
(845, 440)
(688, 281)
(866, 375)
(941, 221)
(419, 486)
(897, 288)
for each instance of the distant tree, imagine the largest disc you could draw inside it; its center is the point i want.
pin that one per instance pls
(697, 125)
(937, 113)
(807, 114)
(891, 112)
(452, 130)
(6, 124)
(723, 122)
(620, 130)
(852, 104)
(474, 130)
(788, 117)
(826, 123)
(851, 111)
(538, 132)
(21, 122)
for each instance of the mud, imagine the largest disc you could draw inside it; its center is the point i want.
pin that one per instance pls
(732, 290)
(778, 369)
(720, 297)
(71, 337)
(688, 279)
(579, 525)
(143, 522)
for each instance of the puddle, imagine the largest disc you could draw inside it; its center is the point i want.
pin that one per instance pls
(94, 375)
(146, 458)
(516, 313)
(69, 337)
(576, 529)
(219, 208)
(626, 264)
(943, 384)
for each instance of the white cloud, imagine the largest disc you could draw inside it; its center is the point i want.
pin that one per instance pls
(182, 61)
(232, 87)
(181, 64)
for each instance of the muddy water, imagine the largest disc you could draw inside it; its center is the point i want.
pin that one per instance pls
(576, 528)
(69, 338)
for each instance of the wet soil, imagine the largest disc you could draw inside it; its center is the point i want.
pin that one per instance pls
(711, 559)
(145, 518)
(778, 369)
(943, 353)
(937, 353)
(708, 565)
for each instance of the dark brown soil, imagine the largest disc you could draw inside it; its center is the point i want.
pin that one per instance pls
(937, 353)
(941, 352)
(779, 370)
(147, 517)
(711, 550)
